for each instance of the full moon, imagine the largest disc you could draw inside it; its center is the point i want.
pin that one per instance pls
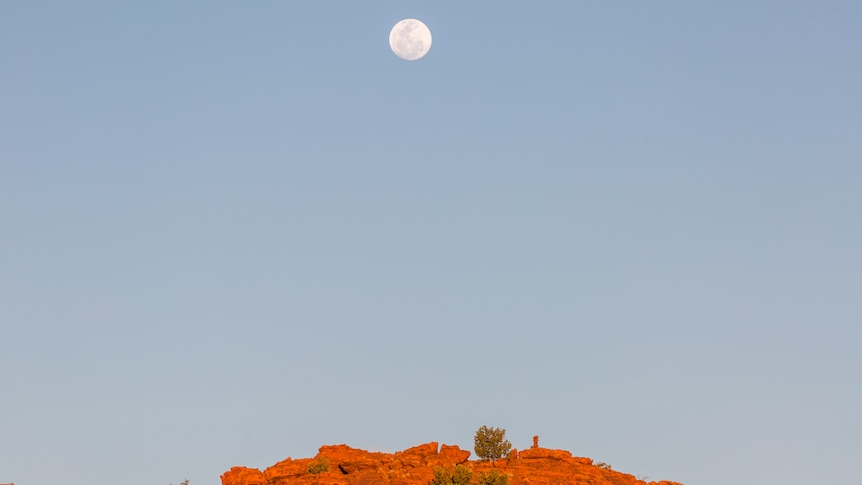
(410, 39)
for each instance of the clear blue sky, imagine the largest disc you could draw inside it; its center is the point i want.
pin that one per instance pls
(231, 232)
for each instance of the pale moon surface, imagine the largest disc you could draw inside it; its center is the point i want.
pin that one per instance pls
(410, 39)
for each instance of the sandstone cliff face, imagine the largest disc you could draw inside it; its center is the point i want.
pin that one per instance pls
(415, 466)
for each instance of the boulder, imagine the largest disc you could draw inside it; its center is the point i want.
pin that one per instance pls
(240, 475)
(417, 456)
(352, 460)
(451, 455)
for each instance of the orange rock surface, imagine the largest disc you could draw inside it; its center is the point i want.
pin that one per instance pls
(415, 466)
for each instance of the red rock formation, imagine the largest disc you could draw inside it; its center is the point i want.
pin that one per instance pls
(240, 475)
(415, 466)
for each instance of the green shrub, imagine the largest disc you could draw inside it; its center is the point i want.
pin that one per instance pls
(604, 465)
(457, 475)
(321, 464)
(461, 475)
(493, 477)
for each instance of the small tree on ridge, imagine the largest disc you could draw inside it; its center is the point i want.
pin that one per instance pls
(491, 443)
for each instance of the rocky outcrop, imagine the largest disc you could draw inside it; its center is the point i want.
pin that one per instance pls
(240, 475)
(415, 466)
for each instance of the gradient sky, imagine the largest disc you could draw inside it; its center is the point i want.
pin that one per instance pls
(231, 232)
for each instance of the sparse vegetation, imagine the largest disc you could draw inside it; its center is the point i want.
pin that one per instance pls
(604, 465)
(457, 475)
(491, 443)
(493, 477)
(184, 482)
(320, 465)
